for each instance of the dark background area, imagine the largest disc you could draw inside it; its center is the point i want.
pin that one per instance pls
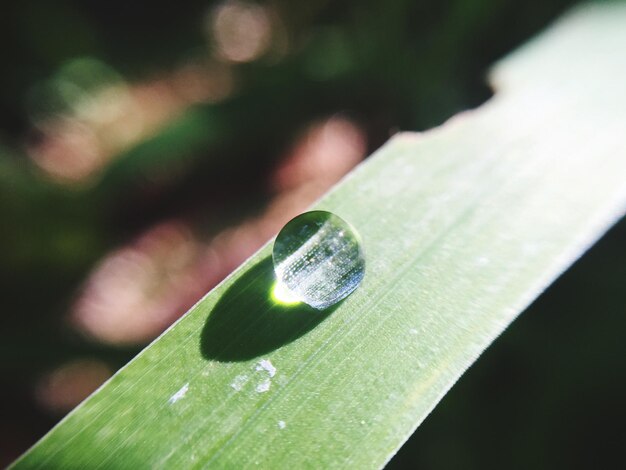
(146, 150)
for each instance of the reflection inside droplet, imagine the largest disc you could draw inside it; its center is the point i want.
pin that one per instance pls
(319, 259)
(282, 295)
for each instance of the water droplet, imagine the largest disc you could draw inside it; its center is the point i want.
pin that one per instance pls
(318, 257)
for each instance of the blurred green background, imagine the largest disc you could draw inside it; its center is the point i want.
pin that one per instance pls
(147, 149)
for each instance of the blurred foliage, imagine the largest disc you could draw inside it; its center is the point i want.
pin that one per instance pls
(208, 159)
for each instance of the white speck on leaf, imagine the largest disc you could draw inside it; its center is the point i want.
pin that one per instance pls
(266, 365)
(264, 386)
(239, 382)
(413, 331)
(180, 394)
(482, 261)
(282, 424)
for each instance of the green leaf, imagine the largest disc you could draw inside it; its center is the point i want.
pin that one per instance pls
(463, 226)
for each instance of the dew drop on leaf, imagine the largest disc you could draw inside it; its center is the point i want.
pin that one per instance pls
(319, 258)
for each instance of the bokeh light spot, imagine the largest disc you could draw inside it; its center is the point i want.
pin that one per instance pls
(241, 31)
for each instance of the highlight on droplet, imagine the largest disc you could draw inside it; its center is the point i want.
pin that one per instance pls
(283, 296)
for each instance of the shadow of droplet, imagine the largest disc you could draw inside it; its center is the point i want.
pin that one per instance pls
(247, 323)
